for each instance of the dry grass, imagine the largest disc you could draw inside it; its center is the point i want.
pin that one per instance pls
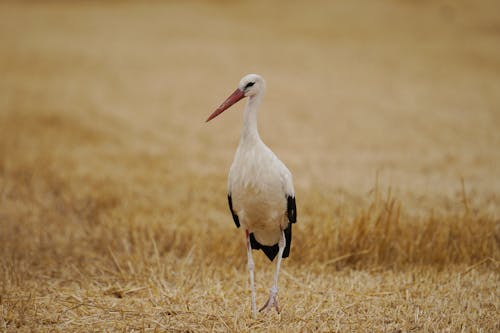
(112, 189)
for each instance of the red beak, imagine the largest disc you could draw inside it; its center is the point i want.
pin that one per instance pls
(235, 97)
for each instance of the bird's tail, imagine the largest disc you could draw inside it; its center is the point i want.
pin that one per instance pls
(272, 251)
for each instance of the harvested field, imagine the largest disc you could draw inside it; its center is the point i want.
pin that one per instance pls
(113, 212)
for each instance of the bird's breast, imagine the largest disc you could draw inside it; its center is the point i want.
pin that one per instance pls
(258, 197)
(260, 211)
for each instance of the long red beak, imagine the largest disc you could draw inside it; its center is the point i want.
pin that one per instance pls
(235, 97)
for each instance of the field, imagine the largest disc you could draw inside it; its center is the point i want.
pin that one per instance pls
(113, 212)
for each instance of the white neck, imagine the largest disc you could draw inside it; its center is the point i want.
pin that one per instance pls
(250, 133)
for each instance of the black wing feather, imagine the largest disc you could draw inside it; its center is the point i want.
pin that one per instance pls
(288, 236)
(291, 209)
(235, 217)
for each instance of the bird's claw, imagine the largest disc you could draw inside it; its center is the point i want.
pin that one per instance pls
(272, 302)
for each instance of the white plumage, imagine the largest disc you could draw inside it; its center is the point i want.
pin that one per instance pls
(260, 188)
(258, 183)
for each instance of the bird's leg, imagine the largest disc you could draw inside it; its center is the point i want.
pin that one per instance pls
(251, 267)
(273, 296)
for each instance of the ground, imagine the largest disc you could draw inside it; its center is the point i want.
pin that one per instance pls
(113, 212)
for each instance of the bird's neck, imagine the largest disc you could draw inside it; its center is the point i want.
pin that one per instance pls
(250, 132)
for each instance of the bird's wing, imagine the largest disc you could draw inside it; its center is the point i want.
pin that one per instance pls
(288, 236)
(235, 217)
(229, 199)
(291, 208)
(286, 179)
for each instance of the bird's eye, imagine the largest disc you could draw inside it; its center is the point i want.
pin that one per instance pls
(249, 84)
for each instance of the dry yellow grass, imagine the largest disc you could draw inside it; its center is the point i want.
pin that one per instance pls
(112, 189)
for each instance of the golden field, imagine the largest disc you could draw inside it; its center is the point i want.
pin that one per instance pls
(113, 212)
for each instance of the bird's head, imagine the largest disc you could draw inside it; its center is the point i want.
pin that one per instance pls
(250, 85)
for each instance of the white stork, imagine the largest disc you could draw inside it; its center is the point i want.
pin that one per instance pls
(260, 188)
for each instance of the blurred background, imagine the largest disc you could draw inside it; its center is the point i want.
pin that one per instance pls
(405, 90)
(102, 105)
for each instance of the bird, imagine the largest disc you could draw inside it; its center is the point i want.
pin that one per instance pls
(260, 189)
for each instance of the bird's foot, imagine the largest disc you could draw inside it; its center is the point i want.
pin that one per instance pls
(272, 302)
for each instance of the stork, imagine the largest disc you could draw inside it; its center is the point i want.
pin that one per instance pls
(260, 189)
